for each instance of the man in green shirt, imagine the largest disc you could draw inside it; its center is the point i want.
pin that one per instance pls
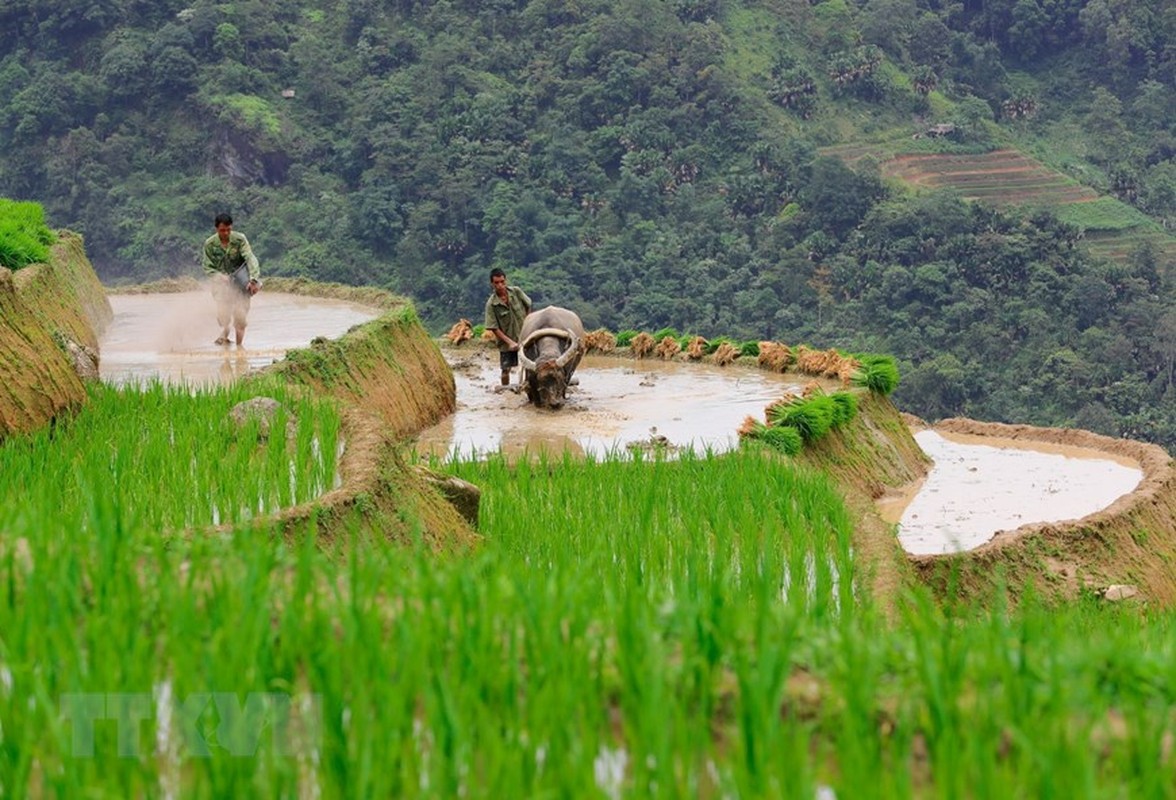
(506, 308)
(224, 253)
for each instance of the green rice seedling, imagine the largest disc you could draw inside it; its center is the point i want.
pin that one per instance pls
(878, 373)
(845, 408)
(713, 344)
(24, 236)
(625, 338)
(812, 417)
(749, 348)
(785, 438)
(696, 626)
(662, 333)
(169, 458)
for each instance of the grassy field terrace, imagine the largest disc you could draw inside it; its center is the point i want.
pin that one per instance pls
(193, 607)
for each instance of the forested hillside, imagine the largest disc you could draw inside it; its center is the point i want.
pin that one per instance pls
(648, 163)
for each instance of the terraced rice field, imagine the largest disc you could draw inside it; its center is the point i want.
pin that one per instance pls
(1006, 177)
(1011, 178)
(1119, 245)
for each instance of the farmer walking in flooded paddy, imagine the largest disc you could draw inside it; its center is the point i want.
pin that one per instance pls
(236, 277)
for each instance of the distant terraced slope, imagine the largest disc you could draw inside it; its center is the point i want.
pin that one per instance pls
(1006, 177)
(1119, 245)
(1011, 178)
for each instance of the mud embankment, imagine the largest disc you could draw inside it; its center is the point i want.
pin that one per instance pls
(1131, 542)
(45, 309)
(388, 366)
(873, 454)
(393, 382)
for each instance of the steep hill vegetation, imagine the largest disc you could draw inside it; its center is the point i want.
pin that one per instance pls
(649, 163)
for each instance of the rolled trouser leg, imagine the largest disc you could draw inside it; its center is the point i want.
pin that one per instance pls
(240, 314)
(224, 311)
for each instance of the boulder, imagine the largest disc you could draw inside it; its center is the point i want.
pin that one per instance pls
(84, 360)
(264, 410)
(1120, 591)
(462, 495)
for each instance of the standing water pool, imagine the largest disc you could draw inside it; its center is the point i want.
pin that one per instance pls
(170, 336)
(981, 485)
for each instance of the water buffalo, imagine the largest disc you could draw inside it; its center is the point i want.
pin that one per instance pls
(551, 344)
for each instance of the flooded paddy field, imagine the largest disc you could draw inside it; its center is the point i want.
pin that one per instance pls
(979, 485)
(617, 404)
(982, 485)
(170, 336)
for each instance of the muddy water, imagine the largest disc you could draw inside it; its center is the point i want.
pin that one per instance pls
(170, 336)
(980, 486)
(618, 403)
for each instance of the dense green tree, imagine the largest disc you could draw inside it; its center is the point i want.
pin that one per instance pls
(654, 164)
(837, 198)
(1027, 31)
(123, 66)
(173, 71)
(889, 24)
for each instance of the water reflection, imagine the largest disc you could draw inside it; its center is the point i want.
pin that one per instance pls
(980, 486)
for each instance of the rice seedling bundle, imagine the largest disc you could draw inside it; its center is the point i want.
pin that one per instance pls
(846, 408)
(667, 348)
(461, 331)
(811, 416)
(642, 345)
(725, 354)
(625, 338)
(827, 363)
(600, 341)
(787, 439)
(774, 356)
(878, 373)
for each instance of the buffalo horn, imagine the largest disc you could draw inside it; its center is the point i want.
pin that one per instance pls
(573, 348)
(539, 334)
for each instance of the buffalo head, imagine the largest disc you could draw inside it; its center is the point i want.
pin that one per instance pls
(557, 353)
